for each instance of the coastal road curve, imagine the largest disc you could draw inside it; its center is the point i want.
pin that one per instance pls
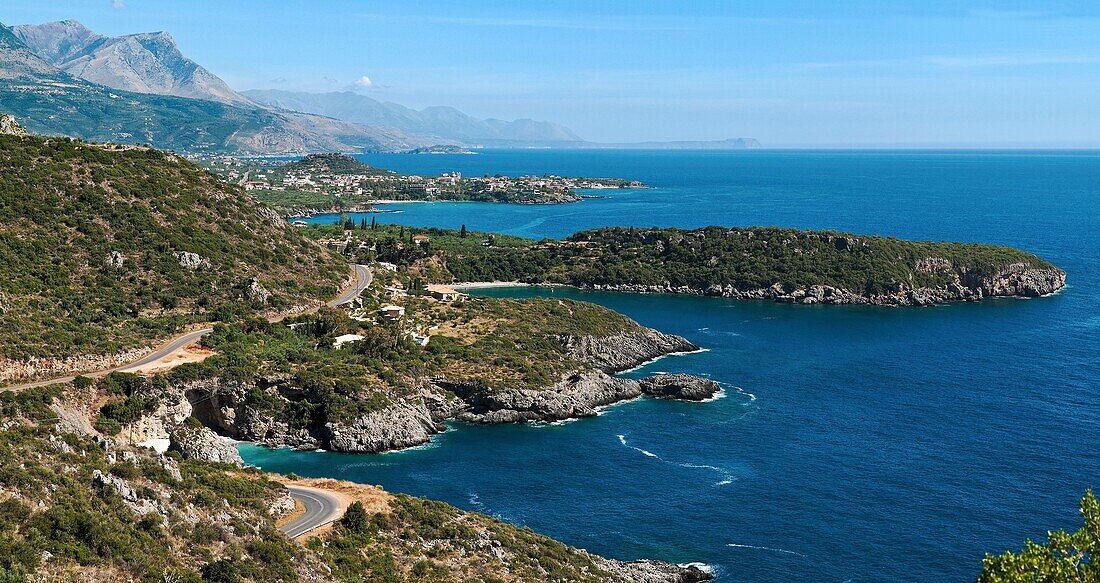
(321, 508)
(362, 278)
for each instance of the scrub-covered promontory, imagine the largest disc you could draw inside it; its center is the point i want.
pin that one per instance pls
(784, 265)
(105, 249)
(390, 375)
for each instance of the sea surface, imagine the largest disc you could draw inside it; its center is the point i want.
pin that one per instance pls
(853, 443)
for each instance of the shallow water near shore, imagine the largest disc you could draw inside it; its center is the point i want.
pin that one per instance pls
(853, 443)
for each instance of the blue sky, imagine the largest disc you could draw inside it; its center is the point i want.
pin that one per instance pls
(843, 73)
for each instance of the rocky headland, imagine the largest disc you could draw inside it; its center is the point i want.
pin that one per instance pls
(229, 408)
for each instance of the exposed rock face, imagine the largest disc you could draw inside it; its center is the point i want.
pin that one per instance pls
(1017, 280)
(130, 497)
(624, 351)
(1020, 280)
(679, 386)
(9, 126)
(114, 260)
(5, 304)
(647, 571)
(282, 505)
(200, 443)
(396, 427)
(192, 261)
(577, 395)
(256, 293)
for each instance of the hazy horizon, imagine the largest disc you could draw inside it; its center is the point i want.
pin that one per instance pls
(797, 74)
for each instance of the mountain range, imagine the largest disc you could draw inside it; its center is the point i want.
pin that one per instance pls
(49, 100)
(63, 78)
(446, 123)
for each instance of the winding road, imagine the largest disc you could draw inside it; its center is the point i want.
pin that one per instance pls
(363, 277)
(362, 280)
(321, 508)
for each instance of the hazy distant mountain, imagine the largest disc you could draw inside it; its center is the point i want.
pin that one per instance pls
(728, 144)
(446, 123)
(47, 100)
(142, 63)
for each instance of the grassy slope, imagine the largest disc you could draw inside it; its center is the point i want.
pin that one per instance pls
(65, 206)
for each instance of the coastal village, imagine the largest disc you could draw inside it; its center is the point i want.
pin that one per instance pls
(342, 179)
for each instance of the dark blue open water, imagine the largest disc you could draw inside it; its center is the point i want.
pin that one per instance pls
(853, 444)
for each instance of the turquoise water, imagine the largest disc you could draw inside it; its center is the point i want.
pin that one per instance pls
(853, 444)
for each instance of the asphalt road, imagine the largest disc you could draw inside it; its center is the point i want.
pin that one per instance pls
(363, 278)
(321, 508)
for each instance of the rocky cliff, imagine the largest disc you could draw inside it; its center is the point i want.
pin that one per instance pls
(1016, 280)
(624, 351)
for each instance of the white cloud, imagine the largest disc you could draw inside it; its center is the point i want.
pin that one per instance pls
(118, 4)
(364, 82)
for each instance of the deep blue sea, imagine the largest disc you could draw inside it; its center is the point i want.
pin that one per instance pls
(852, 444)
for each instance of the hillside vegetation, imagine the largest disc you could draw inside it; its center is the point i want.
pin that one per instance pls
(104, 249)
(77, 505)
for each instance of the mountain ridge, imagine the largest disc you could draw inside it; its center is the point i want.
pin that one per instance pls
(143, 63)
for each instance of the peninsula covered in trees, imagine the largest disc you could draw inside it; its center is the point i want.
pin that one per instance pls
(786, 265)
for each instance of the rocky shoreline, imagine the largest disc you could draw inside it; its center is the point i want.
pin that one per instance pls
(412, 420)
(1017, 280)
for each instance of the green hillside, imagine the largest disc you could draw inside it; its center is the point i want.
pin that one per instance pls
(104, 249)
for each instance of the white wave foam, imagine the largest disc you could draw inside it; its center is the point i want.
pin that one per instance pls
(721, 394)
(701, 566)
(751, 396)
(726, 475)
(556, 423)
(759, 548)
(472, 497)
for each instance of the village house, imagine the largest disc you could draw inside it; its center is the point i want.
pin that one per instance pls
(391, 313)
(443, 293)
(420, 239)
(346, 339)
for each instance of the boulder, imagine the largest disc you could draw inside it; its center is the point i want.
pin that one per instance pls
(679, 386)
(576, 395)
(192, 261)
(114, 260)
(256, 293)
